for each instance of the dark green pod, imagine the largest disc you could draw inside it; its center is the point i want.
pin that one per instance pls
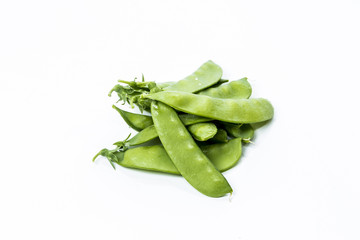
(220, 136)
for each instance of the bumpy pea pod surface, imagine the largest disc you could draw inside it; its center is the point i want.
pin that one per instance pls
(203, 131)
(154, 158)
(137, 122)
(205, 76)
(239, 89)
(226, 110)
(187, 157)
(150, 132)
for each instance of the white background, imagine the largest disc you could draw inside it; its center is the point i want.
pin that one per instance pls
(59, 59)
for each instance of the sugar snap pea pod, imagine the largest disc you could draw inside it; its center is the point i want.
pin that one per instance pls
(189, 119)
(187, 157)
(226, 110)
(149, 133)
(154, 158)
(244, 131)
(165, 84)
(139, 121)
(205, 76)
(224, 155)
(239, 89)
(203, 131)
(220, 136)
(136, 121)
(141, 137)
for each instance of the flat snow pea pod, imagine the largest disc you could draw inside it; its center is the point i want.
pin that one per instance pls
(203, 131)
(220, 136)
(205, 76)
(224, 155)
(154, 158)
(163, 85)
(141, 137)
(244, 131)
(187, 157)
(239, 89)
(189, 119)
(226, 110)
(150, 133)
(136, 121)
(139, 121)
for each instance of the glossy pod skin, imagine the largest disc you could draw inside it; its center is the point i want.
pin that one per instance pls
(239, 89)
(154, 158)
(205, 76)
(226, 110)
(187, 157)
(136, 121)
(203, 131)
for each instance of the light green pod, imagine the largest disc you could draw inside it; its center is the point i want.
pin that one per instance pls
(187, 157)
(226, 110)
(205, 76)
(150, 133)
(154, 158)
(244, 131)
(239, 89)
(203, 131)
(144, 136)
(189, 119)
(163, 85)
(136, 121)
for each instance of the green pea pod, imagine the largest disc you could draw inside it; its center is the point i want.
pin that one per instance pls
(220, 136)
(226, 110)
(187, 157)
(150, 133)
(244, 131)
(141, 137)
(163, 85)
(239, 89)
(154, 158)
(136, 121)
(203, 131)
(205, 76)
(189, 119)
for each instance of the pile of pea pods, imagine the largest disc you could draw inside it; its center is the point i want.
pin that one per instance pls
(196, 129)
